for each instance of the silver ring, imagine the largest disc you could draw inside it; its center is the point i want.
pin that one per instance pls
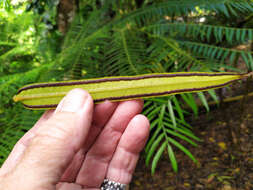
(112, 185)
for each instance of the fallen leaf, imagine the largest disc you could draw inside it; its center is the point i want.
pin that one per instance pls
(222, 145)
(210, 178)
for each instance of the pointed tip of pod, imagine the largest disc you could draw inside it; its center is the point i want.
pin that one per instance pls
(16, 98)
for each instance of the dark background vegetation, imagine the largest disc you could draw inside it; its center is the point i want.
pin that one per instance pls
(48, 40)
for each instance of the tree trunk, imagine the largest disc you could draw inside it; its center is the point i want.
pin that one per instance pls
(139, 3)
(66, 11)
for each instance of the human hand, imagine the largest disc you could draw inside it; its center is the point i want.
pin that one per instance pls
(77, 146)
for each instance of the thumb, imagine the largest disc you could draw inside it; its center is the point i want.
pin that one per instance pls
(56, 142)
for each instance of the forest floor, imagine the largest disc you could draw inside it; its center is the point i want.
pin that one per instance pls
(225, 155)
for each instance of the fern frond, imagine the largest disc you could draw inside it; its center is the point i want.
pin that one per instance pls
(18, 50)
(22, 121)
(13, 129)
(80, 46)
(179, 56)
(201, 31)
(126, 54)
(166, 125)
(218, 53)
(130, 60)
(184, 7)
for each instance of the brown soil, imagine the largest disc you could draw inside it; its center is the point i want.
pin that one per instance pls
(225, 156)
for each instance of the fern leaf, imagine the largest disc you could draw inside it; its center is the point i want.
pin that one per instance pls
(157, 157)
(153, 148)
(187, 152)
(201, 31)
(172, 158)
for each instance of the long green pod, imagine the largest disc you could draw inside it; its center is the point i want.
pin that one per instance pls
(48, 95)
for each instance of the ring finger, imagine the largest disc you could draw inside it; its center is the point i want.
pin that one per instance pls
(126, 155)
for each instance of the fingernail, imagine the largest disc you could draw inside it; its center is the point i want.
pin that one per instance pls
(72, 102)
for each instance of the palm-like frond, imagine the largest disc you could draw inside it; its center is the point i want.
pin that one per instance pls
(15, 122)
(202, 32)
(165, 126)
(125, 54)
(184, 7)
(220, 53)
(174, 55)
(81, 46)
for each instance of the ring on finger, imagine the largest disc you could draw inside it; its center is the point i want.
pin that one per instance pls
(112, 185)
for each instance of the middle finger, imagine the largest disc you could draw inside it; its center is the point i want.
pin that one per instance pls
(101, 115)
(94, 167)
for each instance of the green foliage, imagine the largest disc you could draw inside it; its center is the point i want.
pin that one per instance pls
(164, 126)
(124, 38)
(21, 62)
(5, 4)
